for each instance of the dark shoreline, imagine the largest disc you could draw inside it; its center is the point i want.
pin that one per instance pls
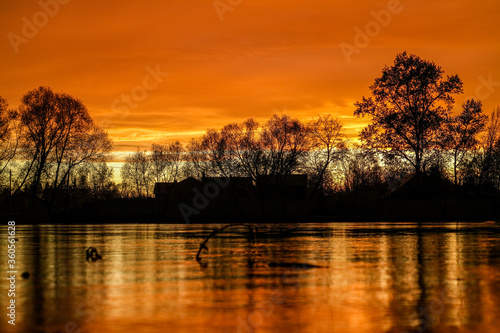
(29, 219)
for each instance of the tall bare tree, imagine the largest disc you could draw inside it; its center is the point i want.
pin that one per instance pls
(245, 149)
(214, 144)
(42, 127)
(81, 142)
(166, 161)
(490, 152)
(358, 170)
(195, 160)
(97, 178)
(327, 142)
(285, 142)
(136, 173)
(58, 132)
(462, 134)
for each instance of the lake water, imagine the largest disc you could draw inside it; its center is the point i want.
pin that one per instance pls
(391, 277)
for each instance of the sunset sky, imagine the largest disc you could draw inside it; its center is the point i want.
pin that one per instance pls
(227, 64)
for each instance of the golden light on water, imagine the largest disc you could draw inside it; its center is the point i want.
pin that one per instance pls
(376, 278)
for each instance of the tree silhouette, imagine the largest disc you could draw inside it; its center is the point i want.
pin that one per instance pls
(484, 167)
(136, 173)
(166, 161)
(42, 128)
(57, 135)
(411, 102)
(245, 149)
(358, 170)
(461, 133)
(9, 136)
(251, 150)
(214, 144)
(326, 140)
(285, 142)
(195, 164)
(97, 179)
(4, 119)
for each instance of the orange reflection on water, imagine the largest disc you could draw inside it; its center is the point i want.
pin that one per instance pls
(374, 278)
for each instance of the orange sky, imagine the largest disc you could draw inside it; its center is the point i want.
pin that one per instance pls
(264, 57)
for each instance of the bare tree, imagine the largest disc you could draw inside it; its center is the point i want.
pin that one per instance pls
(484, 167)
(357, 170)
(41, 130)
(215, 147)
(462, 132)
(97, 178)
(250, 150)
(82, 142)
(492, 135)
(166, 161)
(235, 150)
(58, 134)
(327, 141)
(245, 148)
(136, 173)
(195, 160)
(285, 142)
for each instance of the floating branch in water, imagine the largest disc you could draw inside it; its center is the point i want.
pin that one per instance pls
(252, 232)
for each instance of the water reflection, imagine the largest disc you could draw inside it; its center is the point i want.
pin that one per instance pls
(376, 278)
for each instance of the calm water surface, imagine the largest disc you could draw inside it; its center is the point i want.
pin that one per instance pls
(398, 277)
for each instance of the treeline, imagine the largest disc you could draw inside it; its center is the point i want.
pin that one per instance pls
(52, 151)
(280, 146)
(412, 130)
(319, 148)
